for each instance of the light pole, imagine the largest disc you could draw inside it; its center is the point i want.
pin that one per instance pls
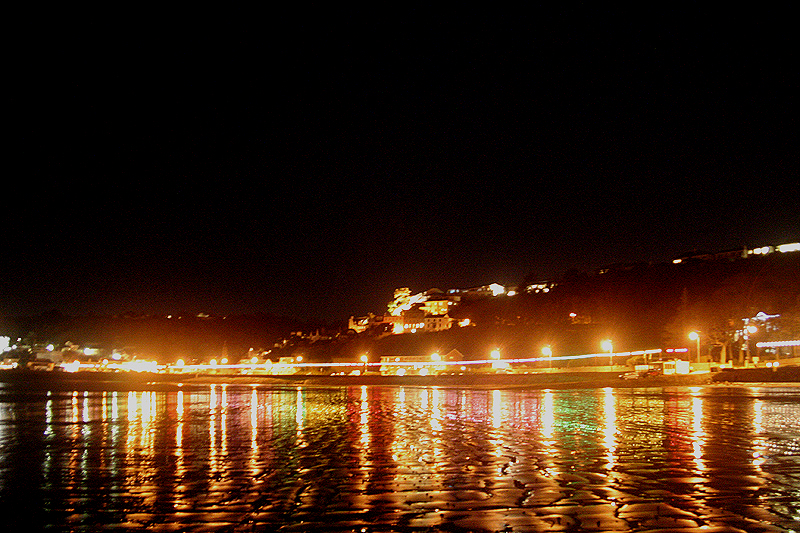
(495, 354)
(695, 336)
(608, 345)
(547, 351)
(749, 329)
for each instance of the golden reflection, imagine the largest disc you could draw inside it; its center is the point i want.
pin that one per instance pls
(399, 434)
(114, 405)
(85, 407)
(132, 406)
(698, 435)
(364, 419)
(148, 410)
(212, 431)
(254, 431)
(548, 417)
(758, 416)
(145, 407)
(759, 443)
(104, 407)
(48, 417)
(548, 420)
(132, 411)
(253, 418)
(300, 418)
(436, 411)
(497, 423)
(179, 429)
(497, 409)
(223, 421)
(75, 407)
(610, 429)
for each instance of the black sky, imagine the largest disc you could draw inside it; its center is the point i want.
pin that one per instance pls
(307, 163)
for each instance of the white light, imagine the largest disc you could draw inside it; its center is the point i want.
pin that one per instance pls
(777, 344)
(791, 247)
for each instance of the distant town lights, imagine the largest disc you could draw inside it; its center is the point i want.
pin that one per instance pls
(778, 344)
(782, 248)
(497, 289)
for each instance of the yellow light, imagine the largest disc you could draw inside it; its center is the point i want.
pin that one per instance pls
(254, 360)
(364, 359)
(436, 357)
(179, 363)
(694, 335)
(547, 351)
(607, 345)
(213, 362)
(495, 354)
(751, 329)
(299, 359)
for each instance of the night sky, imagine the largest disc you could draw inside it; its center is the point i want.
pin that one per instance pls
(307, 163)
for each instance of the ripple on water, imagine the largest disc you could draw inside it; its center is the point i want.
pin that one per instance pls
(383, 458)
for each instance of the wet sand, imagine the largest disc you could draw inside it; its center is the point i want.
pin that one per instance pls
(387, 458)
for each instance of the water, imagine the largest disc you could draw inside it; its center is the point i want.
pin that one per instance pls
(241, 458)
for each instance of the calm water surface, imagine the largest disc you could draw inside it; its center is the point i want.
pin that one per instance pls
(241, 458)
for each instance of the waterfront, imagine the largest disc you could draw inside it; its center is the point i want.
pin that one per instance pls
(209, 457)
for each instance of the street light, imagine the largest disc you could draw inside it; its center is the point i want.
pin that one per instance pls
(547, 351)
(695, 336)
(609, 347)
(749, 329)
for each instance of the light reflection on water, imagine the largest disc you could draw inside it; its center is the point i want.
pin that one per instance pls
(393, 458)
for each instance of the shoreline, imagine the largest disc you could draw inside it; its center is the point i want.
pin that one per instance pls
(40, 379)
(556, 380)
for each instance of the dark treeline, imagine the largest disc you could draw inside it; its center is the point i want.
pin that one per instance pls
(193, 338)
(638, 306)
